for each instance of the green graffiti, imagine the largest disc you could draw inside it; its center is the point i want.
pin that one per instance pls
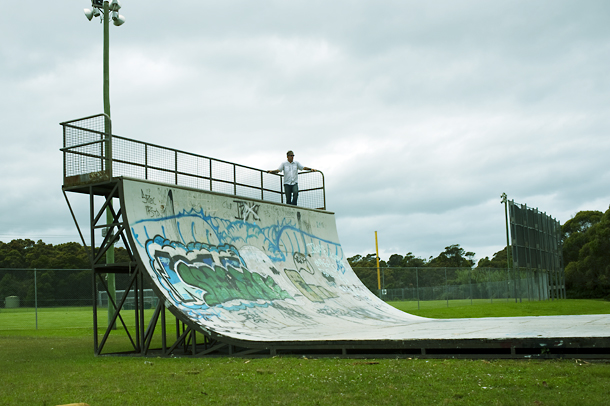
(222, 285)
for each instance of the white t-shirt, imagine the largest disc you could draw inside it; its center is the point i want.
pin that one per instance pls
(291, 171)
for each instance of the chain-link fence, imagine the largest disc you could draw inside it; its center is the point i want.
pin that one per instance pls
(58, 298)
(63, 298)
(459, 284)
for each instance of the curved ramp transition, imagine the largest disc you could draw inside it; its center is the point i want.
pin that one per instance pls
(257, 273)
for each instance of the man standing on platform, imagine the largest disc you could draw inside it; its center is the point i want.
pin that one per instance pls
(291, 168)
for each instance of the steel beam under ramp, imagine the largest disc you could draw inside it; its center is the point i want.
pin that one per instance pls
(266, 276)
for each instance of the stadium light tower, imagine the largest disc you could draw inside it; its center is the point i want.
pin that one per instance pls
(106, 9)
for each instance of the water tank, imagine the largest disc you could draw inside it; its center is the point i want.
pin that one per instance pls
(11, 302)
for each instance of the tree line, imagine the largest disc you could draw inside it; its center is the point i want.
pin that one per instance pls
(64, 275)
(454, 266)
(586, 254)
(586, 261)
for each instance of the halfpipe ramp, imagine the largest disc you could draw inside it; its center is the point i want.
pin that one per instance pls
(260, 274)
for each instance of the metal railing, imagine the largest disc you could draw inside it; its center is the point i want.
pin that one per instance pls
(91, 153)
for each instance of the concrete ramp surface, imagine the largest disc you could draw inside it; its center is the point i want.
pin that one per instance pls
(258, 272)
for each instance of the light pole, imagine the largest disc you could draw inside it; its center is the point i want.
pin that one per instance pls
(509, 263)
(103, 9)
(377, 259)
(106, 9)
(504, 198)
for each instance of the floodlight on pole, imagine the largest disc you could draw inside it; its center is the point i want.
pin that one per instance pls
(117, 19)
(97, 7)
(115, 5)
(90, 13)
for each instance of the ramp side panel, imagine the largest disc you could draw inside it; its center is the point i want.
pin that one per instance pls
(251, 270)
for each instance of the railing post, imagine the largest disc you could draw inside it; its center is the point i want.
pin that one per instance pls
(262, 187)
(210, 175)
(64, 153)
(323, 190)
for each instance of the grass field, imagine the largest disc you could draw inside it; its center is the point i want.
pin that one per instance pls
(80, 317)
(59, 317)
(482, 308)
(55, 365)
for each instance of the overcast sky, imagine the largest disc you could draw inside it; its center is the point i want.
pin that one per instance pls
(419, 113)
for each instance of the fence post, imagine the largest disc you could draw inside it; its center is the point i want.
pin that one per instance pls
(417, 285)
(36, 298)
(507, 284)
(530, 288)
(470, 283)
(446, 288)
(520, 288)
(490, 288)
(514, 280)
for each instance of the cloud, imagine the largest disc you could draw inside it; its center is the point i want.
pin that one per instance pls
(419, 114)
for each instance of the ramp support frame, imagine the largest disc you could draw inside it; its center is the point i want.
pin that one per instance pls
(139, 333)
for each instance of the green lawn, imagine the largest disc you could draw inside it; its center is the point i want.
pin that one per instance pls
(52, 318)
(69, 321)
(80, 317)
(55, 365)
(483, 308)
